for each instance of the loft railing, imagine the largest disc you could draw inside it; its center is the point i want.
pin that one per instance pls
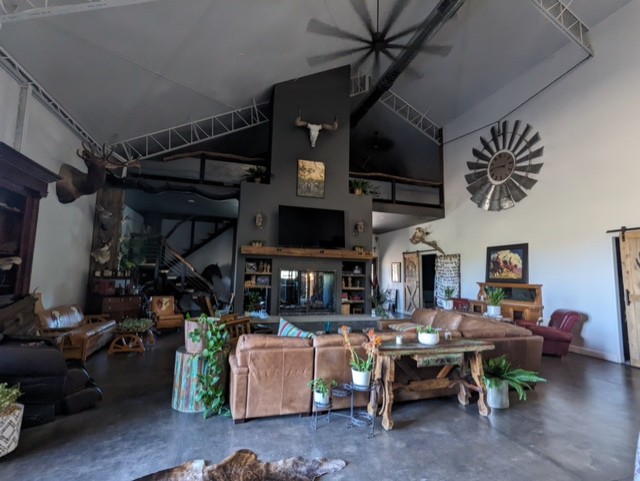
(402, 190)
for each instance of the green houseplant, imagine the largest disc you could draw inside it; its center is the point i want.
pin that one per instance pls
(253, 301)
(257, 174)
(428, 335)
(211, 382)
(447, 303)
(499, 376)
(361, 186)
(320, 389)
(379, 298)
(361, 367)
(10, 417)
(495, 295)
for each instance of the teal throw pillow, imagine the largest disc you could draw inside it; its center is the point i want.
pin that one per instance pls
(290, 330)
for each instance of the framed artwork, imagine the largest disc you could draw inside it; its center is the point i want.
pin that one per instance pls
(310, 178)
(395, 271)
(251, 267)
(508, 263)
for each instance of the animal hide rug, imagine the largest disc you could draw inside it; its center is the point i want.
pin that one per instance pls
(244, 465)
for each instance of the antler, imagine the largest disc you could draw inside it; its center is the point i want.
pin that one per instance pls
(299, 122)
(333, 126)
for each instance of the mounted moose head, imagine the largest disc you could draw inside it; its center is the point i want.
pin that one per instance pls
(314, 129)
(75, 183)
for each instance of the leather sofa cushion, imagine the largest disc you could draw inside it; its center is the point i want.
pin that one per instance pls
(551, 333)
(423, 316)
(61, 317)
(450, 320)
(93, 329)
(250, 342)
(474, 327)
(325, 340)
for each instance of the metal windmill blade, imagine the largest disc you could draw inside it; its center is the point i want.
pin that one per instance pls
(503, 168)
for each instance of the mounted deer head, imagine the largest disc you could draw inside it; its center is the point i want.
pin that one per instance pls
(75, 183)
(314, 129)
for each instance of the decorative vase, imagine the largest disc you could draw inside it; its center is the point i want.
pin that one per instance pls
(10, 423)
(428, 338)
(498, 394)
(321, 398)
(358, 191)
(190, 346)
(361, 378)
(447, 304)
(493, 311)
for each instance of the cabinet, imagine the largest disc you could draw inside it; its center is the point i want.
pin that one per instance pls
(113, 297)
(257, 285)
(522, 301)
(354, 287)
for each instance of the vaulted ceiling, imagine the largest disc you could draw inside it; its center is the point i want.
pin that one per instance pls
(124, 68)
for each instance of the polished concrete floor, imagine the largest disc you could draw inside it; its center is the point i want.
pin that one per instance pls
(582, 425)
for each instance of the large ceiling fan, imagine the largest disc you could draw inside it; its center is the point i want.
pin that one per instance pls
(381, 41)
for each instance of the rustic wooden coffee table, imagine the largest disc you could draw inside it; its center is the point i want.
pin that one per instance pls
(465, 354)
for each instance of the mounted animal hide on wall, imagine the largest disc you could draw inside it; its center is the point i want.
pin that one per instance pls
(75, 183)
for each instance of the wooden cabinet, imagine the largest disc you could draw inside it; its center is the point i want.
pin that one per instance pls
(117, 308)
(257, 284)
(354, 287)
(522, 301)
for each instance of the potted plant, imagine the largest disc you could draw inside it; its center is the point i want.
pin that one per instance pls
(379, 298)
(495, 295)
(253, 301)
(361, 186)
(428, 335)
(195, 333)
(320, 390)
(499, 376)
(361, 367)
(10, 418)
(257, 174)
(448, 298)
(212, 380)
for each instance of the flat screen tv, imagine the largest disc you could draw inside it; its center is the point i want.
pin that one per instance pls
(310, 227)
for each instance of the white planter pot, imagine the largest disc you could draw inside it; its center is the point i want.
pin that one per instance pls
(428, 338)
(320, 398)
(10, 424)
(361, 378)
(493, 311)
(447, 304)
(498, 395)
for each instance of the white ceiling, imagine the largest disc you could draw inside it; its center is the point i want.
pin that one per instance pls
(131, 70)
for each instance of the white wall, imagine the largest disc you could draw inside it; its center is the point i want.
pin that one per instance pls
(63, 237)
(588, 123)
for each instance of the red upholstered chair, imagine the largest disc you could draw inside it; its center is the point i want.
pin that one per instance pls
(558, 334)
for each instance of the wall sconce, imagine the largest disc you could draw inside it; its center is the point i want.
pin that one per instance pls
(260, 220)
(358, 227)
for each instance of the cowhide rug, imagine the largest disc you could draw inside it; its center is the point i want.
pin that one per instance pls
(244, 465)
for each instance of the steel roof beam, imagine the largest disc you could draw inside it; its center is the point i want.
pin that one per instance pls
(567, 22)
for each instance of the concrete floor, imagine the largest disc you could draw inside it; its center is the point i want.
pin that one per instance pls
(582, 425)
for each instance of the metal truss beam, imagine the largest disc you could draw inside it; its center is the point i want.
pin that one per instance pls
(417, 119)
(19, 10)
(24, 78)
(191, 133)
(567, 22)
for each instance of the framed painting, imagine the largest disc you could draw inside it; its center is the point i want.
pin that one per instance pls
(310, 178)
(509, 263)
(395, 271)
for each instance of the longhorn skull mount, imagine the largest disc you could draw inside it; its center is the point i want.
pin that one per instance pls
(314, 129)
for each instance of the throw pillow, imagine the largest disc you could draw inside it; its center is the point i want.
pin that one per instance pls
(290, 330)
(404, 326)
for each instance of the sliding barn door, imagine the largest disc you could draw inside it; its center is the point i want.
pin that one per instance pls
(630, 257)
(411, 281)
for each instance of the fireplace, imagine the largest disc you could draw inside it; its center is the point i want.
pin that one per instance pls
(307, 292)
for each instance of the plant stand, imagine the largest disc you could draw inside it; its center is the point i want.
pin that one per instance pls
(357, 418)
(185, 382)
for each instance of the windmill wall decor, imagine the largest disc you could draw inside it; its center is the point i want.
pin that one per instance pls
(503, 166)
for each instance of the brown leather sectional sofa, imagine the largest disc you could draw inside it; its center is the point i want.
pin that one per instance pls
(75, 334)
(269, 374)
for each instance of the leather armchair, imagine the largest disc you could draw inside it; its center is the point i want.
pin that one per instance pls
(163, 311)
(558, 334)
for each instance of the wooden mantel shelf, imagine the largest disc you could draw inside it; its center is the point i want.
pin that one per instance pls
(303, 252)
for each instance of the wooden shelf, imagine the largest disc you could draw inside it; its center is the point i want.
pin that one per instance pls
(256, 273)
(353, 288)
(257, 286)
(300, 252)
(352, 301)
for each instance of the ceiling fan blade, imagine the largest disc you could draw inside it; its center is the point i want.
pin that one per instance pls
(360, 7)
(375, 71)
(477, 165)
(529, 168)
(322, 28)
(328, 57)
(403, 33)
(358, 64)
(524, 181)
(533, 155)
(409, 69)
(487, 146)
(517, 194)
(522, 138)
(516, 127)
(480, 155)
(394, 13)
(439, 50)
